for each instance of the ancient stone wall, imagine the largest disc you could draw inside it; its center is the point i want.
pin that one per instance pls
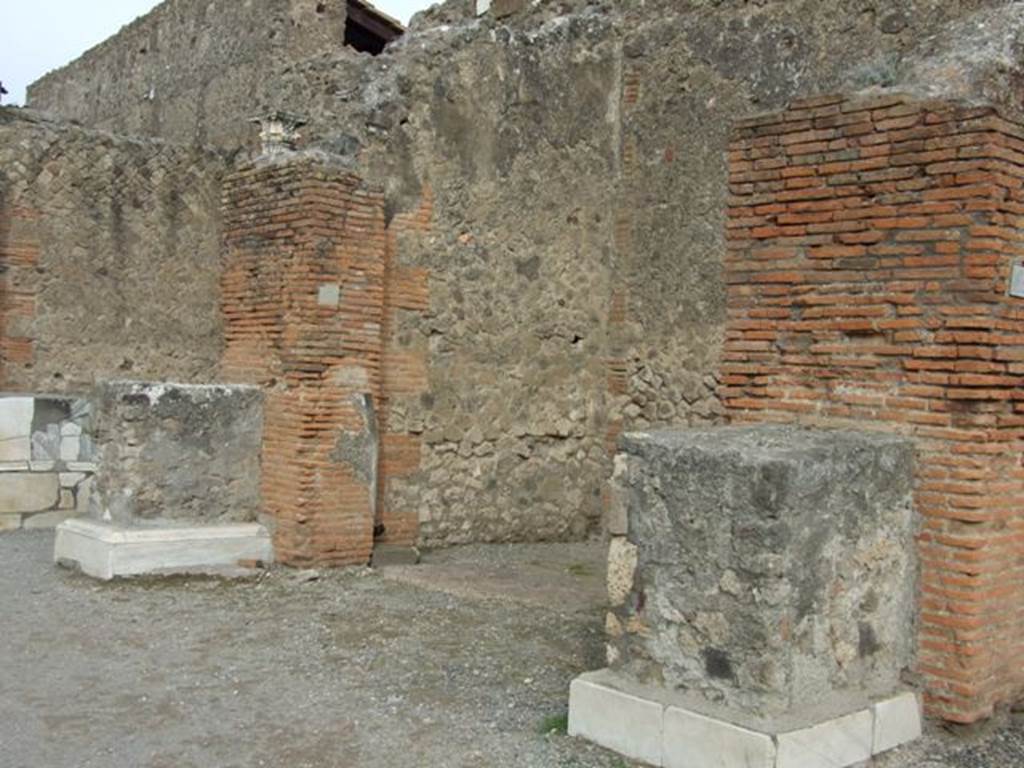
(191, 70)
(512, 148)
(555, 191)
(496, 387)
(688, 70)
(109, 258)
(871, 244)
(575, 165)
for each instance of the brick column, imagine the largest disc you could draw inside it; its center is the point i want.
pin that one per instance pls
(303, 299)
(871, 242)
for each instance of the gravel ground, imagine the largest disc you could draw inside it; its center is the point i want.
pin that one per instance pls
(352, 670)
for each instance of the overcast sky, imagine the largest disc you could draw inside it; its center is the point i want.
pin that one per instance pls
(36, 37)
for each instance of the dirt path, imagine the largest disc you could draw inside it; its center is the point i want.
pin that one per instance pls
(351, 670)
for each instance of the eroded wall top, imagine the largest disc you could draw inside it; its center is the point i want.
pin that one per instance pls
(190, 70)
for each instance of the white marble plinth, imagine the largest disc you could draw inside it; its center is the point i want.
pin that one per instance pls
(649, 725)
(106, 551)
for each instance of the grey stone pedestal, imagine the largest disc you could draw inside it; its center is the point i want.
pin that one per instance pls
(178, 482)
(762, 584)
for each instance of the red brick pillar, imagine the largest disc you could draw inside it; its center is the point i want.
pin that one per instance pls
(870, 248)
(303, 289)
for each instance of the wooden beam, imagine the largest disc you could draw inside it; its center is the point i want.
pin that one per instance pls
(373, 22)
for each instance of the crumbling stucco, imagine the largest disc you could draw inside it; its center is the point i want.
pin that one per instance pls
(172, 453)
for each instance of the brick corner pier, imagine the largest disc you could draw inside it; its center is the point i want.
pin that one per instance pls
(871, 241)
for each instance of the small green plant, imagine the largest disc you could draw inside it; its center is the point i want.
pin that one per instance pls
(579, 570)
(555, 725)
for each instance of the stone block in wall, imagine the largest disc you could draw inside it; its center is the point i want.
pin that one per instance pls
(502, 8)
(22, 492)
(775, 569)
(61, 430)
(16, 428)
(45, 459)
(177, 453)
